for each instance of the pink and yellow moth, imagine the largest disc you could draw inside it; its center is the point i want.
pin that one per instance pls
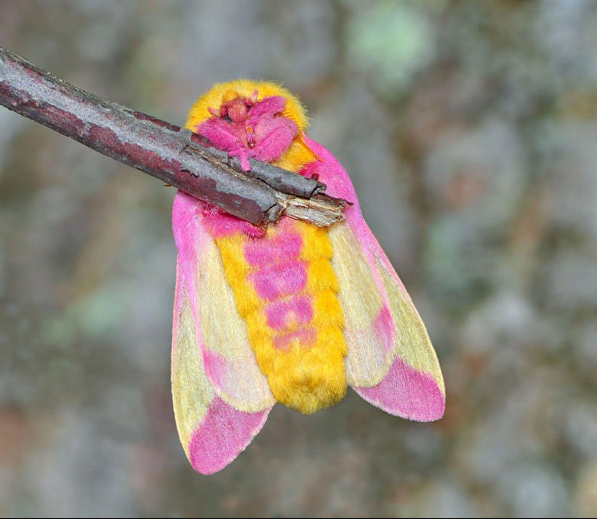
(291, 314)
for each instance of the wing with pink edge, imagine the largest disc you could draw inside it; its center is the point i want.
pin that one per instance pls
(212, 431)
(229, 360)
(391, 362)
(413, 386)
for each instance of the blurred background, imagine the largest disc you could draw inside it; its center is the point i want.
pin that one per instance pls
(470, 131)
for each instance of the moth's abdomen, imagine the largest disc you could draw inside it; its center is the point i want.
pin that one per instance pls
(287, 293)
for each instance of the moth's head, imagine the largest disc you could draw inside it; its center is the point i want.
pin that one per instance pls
(249, 119)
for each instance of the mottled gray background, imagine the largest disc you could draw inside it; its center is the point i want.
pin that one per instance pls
(470, 131)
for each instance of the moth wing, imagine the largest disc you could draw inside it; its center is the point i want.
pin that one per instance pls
(368, 325)
(229, 360)
(413, 386)
(390, 362)
(212, 431)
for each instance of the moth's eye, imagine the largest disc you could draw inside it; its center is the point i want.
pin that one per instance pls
(226, 118)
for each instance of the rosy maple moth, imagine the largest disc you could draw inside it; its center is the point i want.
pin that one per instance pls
(290, 314)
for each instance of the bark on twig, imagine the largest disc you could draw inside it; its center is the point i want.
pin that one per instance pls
(163, 150)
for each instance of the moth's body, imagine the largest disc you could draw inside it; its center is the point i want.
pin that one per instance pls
(293, 313)
(286, 292)
(283, 283)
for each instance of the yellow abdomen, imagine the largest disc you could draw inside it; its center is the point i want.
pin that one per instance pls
(287, 293)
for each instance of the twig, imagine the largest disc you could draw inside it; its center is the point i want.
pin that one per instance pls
(163, 150)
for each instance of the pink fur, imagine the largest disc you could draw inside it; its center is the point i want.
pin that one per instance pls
(190, 238)
(222, 436)
(253, 130)
(330, 172)
(285, 246)
(408, 393)
(266, 107)
(246, 128)
(296, 309)
(280, 280)
(217, 368)
(221, 224)
(384, 326)
(305, 337)
(272, 138)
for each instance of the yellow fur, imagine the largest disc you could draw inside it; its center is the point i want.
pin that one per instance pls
(298, 154)
(305, 378)
(223, 92)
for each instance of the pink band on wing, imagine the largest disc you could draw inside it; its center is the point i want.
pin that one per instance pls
(384, 326)
(222, 436)
(407, 392)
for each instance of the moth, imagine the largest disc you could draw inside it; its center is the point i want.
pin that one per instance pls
(290, 314)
